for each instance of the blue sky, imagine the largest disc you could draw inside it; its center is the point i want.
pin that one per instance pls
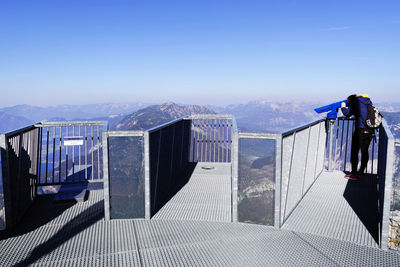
(199, 52)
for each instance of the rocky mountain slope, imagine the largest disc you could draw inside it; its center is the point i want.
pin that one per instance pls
(393, 120)
(158, 114)
(264, 116)
(10, 122)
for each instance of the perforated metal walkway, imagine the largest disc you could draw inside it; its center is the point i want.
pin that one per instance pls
(77, 235)
(339, 208)
(206, 197)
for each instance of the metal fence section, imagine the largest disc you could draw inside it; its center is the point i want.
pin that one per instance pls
(2, 202)
(21, 151)
(303, 155)
(385, 176)
(169, 168)
(340, 132)
(124, 174)
(70, 152)
(211, 138)
(259, 177)
(396, 181)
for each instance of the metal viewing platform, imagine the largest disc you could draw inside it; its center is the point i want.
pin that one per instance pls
(194, 192)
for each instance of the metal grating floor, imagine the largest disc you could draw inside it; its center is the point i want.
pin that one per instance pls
(78, 236)
(206, 197)
(339, 208)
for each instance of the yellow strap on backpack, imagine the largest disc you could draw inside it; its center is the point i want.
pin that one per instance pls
(363, 95)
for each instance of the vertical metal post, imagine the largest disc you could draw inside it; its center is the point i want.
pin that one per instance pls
(388, 166)
(66, 157)
(316, 157)
(290, 174)
(158, 168)
(47, 151)
(98, 152)
(40, 154)
(235, 177)
(106, 178)
(223, 141)
(347, 143)
(86, 166)
(73, 155)
(59, 161)
(79, 153)
(305, 165)
(372, 157)
(54, 153)
(337, 122)
(18, 182)
(278, 181)
(214, 136)
(219, 140)
(341, 140)
(330, 123)
(147, 208)
(91, 148)
(198, 159)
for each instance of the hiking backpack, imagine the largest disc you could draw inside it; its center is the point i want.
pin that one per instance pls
(374, 117)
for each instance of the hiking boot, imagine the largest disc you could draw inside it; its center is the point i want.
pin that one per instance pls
(353, 176)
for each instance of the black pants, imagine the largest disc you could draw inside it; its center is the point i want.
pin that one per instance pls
(361, 140)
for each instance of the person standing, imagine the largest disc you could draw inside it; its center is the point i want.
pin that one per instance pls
(362, 136)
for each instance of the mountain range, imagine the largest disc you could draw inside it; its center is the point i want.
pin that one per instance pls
(72, 112)
(158, 114)
(254, 116)
(10, 122)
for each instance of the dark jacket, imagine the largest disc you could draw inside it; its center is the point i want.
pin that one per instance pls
(358, 108)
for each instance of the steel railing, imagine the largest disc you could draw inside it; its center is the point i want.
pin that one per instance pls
(46, 154)
(70, 152)
(211, 138)
(19, 170)
(303, 154)
(385, 171)
(170, 150)
(339, 146)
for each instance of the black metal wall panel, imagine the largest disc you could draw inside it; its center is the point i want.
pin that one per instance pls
(169, 154)
(126, 177)
(23, 160)
(256, 182)
(2, 206)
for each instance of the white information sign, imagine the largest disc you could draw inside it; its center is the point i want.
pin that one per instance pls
(73, 141)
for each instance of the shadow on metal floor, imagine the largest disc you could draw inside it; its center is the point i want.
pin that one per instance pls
(339, 208)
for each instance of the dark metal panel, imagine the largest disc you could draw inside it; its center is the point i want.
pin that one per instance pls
(126, 177)
(154, 163)
(2, 204)
(256, 181)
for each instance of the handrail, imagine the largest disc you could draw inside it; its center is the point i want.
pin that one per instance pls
(209, 117)
(164, 125)
(234, 125)
(123, 133)
(70, 123)
(18, 131)
(297, 129)
(260, 135)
